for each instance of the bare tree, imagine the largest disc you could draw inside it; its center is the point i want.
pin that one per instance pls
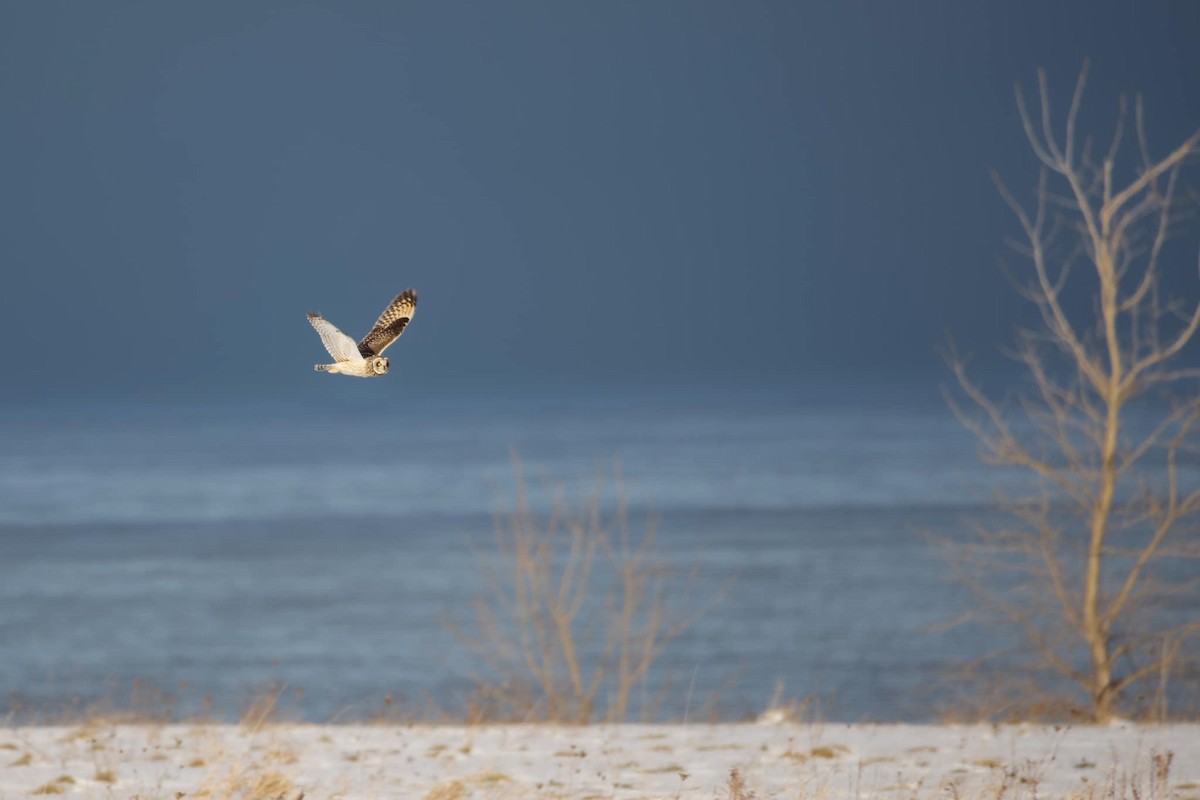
(576, 610)
(1087, 567)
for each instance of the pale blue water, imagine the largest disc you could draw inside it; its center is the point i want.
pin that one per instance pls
(226, 547)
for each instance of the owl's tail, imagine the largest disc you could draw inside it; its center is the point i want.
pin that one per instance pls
(320, 367)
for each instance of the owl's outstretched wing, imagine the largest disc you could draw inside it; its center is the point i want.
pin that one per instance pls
(390, 325)
(339, 345)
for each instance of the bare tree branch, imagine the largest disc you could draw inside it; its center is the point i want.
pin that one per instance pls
(1109, 498)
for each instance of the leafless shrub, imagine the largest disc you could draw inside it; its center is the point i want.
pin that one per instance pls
(576, 609)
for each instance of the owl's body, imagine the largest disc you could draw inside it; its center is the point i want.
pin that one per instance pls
(359, 369)
(365, 359)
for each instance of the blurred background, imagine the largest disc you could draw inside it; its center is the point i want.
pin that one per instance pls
(716, 243)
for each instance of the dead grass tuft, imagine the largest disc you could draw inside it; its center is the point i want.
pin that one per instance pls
(737, 788)
(489, 778)
(821, 751)
(264, 708)
(451, 790)
(269, 786)
(281, 756)
(829, 751)
(664, 770)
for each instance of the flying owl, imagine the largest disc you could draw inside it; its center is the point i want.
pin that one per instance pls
(365, 359)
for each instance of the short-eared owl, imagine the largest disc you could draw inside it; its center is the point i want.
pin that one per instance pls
(365, 359)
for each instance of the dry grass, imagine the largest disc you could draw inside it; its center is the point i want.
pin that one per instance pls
(451, 790)
(60, 785)
(269, 785)
(737, 789)
(250, 783)
(676, 768)
(263, 708)
(489, 778)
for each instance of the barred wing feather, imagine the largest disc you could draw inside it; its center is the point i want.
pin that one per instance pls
(390, 325)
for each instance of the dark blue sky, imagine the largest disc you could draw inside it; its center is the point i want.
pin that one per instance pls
(610, 193)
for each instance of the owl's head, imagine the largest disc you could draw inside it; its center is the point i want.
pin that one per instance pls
(379, 365)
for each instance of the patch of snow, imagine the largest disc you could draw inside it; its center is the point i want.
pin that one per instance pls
(622, 762)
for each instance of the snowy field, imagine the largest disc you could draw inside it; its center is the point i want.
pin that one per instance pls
(623, 761)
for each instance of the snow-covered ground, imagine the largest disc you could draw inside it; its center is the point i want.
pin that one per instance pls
(621, 761)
